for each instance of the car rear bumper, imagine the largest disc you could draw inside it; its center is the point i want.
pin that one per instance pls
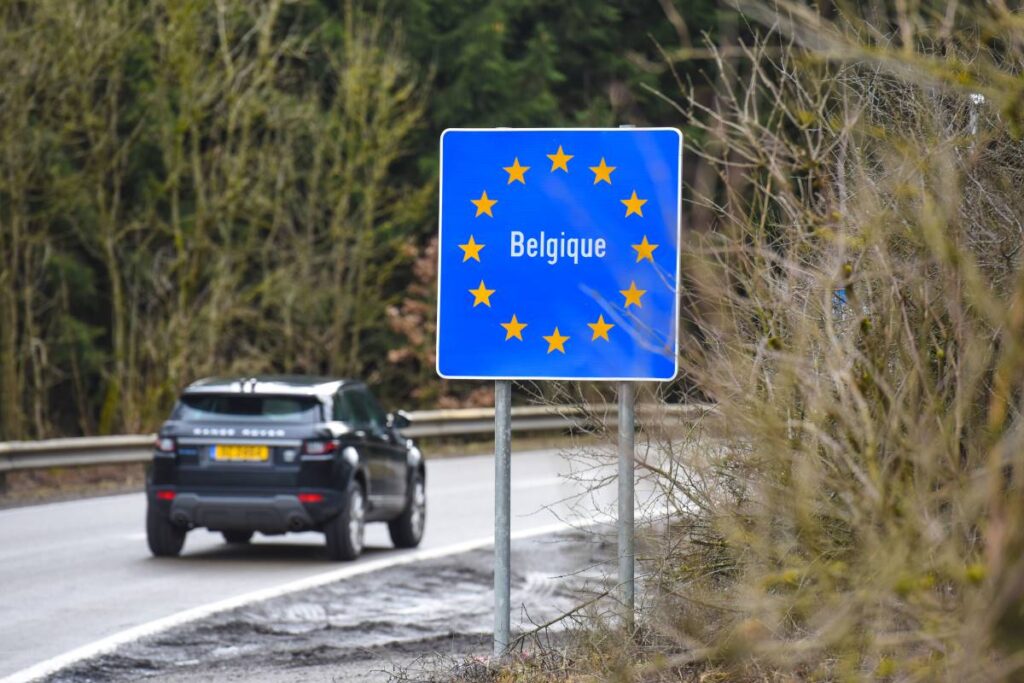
(267, 514)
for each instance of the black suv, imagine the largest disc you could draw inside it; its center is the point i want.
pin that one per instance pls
(278, 454)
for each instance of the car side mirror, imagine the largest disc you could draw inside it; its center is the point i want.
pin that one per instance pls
(399, 419)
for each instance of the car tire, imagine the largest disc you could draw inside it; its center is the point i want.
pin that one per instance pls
(407, 529)
(345, 533)
(237, 537)
(165, 539)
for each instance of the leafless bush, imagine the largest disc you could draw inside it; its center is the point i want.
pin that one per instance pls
(855, 310)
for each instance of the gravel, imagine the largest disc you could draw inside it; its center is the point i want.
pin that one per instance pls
(369, 627)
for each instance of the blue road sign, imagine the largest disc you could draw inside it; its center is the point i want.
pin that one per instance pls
(559, 253)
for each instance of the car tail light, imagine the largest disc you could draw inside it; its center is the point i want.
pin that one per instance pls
(311, 498)
(318, 447)
(165, 444)
(165, 495)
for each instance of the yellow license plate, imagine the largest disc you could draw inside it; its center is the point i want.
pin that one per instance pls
(239, 452)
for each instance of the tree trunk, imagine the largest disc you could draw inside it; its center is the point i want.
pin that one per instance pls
(10, 371)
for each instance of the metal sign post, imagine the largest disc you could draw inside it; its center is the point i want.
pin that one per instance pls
(502, 513)
(627, 550)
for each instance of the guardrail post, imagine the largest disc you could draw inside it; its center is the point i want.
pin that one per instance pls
(627, 550)
(502, 514)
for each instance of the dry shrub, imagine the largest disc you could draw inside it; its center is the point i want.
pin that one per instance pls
(853, 301)
(855, 309)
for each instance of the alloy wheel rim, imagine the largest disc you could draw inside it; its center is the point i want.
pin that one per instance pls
(419, 506)
(355, 522)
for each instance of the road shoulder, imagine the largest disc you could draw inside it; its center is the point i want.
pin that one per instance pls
(367, 627)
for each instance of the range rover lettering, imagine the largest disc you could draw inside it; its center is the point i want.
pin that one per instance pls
(279, 454)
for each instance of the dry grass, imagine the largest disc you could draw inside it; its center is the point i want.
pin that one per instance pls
(46, 485)
(858, 514)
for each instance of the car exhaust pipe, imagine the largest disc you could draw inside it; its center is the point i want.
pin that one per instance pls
(181, 519)
(296, 523)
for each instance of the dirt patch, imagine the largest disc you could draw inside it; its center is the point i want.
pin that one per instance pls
(375, 627)
(51, 484)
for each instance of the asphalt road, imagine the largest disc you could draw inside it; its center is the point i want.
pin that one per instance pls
(75, 572)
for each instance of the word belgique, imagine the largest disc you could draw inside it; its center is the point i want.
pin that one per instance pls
(555, 248)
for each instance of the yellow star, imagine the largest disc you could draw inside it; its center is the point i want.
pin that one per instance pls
(484, 204)
(481, 295)
(644, 250)
(633, 205)
(472, 250)
(556, 341)
(514, 328)
(559, 160)
(600, 329)
(632, 295)
(516, 172)
(602, 172)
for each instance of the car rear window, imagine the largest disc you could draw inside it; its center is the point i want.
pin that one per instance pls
(256, 408)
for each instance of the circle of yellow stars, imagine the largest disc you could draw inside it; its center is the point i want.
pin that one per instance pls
(632, 295)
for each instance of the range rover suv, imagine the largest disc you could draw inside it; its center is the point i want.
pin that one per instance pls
(280, 454)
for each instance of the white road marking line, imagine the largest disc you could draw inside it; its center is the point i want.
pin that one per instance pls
(105, 645)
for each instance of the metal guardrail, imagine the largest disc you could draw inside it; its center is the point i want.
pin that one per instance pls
(138, 448)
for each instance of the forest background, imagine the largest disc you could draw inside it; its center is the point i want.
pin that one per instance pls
(191, 188)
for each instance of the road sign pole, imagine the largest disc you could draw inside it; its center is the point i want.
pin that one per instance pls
(502, 514)
(627, 550)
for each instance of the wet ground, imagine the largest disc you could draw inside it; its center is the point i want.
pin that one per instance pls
(369, 627)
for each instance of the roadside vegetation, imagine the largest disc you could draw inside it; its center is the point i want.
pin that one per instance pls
(852, 509)
(191, 188)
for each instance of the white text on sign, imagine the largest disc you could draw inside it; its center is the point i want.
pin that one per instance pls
(555, 248)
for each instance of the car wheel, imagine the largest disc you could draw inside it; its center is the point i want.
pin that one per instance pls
(237, 537)
(407, 529)
(345, 532)
(165, 539)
